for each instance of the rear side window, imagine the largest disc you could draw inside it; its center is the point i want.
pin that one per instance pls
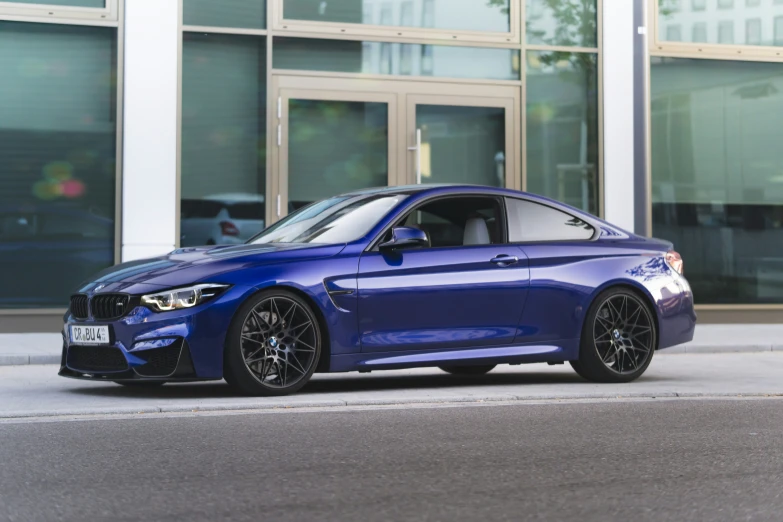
(528, 221)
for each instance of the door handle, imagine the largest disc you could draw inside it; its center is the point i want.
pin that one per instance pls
(504, 260)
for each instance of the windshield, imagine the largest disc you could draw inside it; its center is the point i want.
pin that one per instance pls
(335, 220)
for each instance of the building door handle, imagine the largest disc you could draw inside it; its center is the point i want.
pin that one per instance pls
(417, 148)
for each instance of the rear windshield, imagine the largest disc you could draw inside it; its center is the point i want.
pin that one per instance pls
(253, 211)
(200, 208)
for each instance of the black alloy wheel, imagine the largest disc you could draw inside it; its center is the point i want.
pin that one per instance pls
(619, 338)
(273, 345)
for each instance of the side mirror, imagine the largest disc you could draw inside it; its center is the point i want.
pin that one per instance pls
(405, 237)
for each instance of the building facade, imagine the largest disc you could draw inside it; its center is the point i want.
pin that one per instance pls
(129, 128)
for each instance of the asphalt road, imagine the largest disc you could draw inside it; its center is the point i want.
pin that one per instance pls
(672, 459)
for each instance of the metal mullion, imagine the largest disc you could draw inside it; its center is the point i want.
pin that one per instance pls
(223, 30)
(561, 48)
(390, 77)
(600, 181)
(59, 21)
(119, 134)
(178, 171)
(48, 12)
(392, 39)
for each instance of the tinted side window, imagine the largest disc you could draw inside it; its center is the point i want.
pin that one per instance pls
(458, 221)
(528, 221)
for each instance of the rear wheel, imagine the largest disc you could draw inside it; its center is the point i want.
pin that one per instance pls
(468, 370)
(618, 338)
(273, 345)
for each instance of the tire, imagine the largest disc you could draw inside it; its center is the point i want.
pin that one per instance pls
(273, 345)
(141, 384)
(468, 370)
(619, 338)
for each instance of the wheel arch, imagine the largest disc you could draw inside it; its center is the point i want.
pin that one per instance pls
(632, 286)
(325, 358)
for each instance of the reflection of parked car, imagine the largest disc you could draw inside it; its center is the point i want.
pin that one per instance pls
(221, 219)
(47, 249)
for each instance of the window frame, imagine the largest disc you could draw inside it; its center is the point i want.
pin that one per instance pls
(373, 246)
(596, 228)
(282, 25)
(659, 46)
(42, 10)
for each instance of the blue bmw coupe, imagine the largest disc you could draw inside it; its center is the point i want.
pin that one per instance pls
(458, 277)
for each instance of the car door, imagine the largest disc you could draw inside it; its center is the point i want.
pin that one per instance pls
(465, 289)
(561, 255)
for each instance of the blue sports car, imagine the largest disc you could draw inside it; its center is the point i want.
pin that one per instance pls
(458, 277)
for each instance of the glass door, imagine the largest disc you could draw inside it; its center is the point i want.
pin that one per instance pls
(330, 141)
(462, 139)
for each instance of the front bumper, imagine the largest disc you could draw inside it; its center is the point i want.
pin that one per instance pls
(182, 345)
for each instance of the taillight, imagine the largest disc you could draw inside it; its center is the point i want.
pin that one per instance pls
(227, 228)
(674, 260)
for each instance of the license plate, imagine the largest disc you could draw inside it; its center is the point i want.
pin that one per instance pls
(89, 334)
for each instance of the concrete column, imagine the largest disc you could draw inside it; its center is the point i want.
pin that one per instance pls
(619, 34)
(149, 174)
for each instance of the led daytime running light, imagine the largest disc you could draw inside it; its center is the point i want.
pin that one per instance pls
(181, 298)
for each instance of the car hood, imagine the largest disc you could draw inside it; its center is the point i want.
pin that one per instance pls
(191, 265)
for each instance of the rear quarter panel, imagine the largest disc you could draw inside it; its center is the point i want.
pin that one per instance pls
(565, 278)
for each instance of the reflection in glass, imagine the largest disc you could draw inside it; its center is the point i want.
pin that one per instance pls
(561, 22)
(335, 147)
(243, 14)
(394, 58)
(223, 177)
(462, 144)
(486, 15)
(57, 159)
(100, 4)
(334, 220)
(717, 180)
(714, 22)
(562, 127)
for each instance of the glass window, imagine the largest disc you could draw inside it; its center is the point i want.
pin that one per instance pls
(457, 221)
(58, 136)
(715, 24)
(335, 220)
(335, 147)
(779, 30)
(378, 58)
(726, 32)
(699, 33)
(488, 16)
(244, 14)
(462, 144)
(562, 127)
(753, 31)
(725, 4)
(674, 33)
(716, 174)
(223, 172)
(100, 4)
(561, 22)
(529, 221)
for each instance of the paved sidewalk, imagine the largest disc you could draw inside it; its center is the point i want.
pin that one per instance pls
(22, 349)
(37, 391)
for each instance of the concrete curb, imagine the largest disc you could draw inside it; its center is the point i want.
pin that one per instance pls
(332, 403)
(26, 359)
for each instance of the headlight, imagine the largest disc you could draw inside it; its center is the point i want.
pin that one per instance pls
(179, 298)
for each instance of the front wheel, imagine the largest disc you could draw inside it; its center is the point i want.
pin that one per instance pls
(618, 338)
(273, 345)
(468, 370)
